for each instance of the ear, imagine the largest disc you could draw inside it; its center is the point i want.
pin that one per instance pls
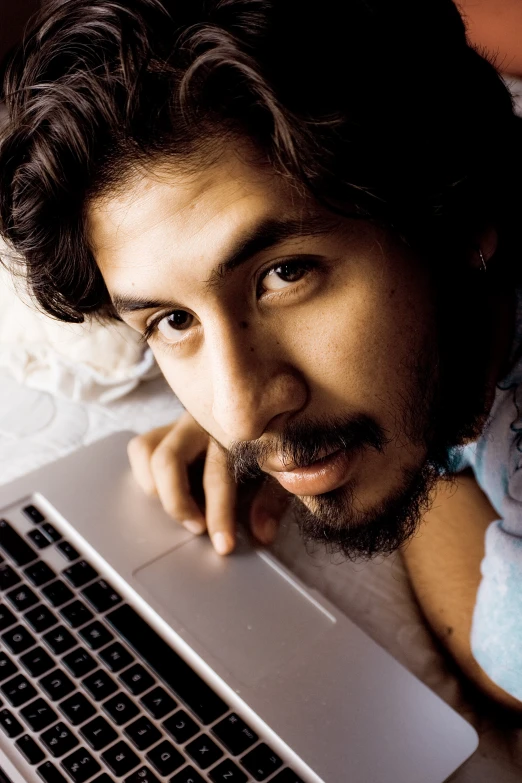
(486, 241)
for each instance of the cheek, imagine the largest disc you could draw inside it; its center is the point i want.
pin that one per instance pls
(358, 346)
(189, 386)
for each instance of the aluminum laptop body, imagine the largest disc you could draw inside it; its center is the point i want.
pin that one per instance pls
(317, 700)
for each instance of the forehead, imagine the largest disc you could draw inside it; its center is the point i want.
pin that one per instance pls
(164, 215)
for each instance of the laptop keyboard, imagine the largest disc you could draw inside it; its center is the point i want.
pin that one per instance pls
(90, 692)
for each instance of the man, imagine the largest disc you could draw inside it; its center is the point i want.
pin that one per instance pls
(312, 219)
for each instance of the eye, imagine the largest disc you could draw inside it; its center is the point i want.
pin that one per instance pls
(284, 275)
(170, 326)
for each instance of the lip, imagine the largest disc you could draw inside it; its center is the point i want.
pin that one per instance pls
(277, 465)
(323, 475)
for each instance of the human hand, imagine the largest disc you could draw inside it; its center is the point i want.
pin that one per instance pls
(188, 472)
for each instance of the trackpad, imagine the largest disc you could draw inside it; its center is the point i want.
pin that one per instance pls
(243, 609)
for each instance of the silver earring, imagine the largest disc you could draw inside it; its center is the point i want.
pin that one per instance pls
(483, 268)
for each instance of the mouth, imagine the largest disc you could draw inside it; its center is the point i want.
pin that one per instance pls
(323, 475)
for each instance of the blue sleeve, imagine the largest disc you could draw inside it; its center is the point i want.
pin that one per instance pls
(462, 457)
(496, 635)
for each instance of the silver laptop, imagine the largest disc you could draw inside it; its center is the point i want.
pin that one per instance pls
(130, 651)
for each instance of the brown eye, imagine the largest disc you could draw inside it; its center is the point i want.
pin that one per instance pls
(283, 275)
(173, 323)
(179, 319)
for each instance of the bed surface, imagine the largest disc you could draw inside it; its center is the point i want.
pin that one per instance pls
(37, 427)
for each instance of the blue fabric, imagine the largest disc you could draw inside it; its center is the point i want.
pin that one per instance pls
(496, 459)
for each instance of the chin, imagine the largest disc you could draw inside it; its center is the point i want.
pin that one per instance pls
(339, 522)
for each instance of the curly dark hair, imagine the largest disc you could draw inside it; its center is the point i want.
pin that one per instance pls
(381, 105)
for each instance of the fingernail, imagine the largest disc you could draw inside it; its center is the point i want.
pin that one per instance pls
(222, 543)
(194, 527)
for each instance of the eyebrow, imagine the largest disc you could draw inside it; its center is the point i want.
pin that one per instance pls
(265, 235)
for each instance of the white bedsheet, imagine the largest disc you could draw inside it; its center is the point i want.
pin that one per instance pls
(36, 427)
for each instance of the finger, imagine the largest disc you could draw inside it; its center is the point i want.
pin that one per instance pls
(220, 501)
(169, 465)
(139, 452)
(266, 511)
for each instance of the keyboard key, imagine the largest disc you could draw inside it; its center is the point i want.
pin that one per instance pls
(22, 598)
(32, 513)
(165, 758)
(40, 618)
(142, 733)
(39, 573)
(57, 593)
(59, 739)
(158, 702)
(7, 667)
(180, 726)
(38, 538)
(50, 774)
(287, 776)
(56, 684)
(38, 715)
(51, 532)
(120, 708)
(68, 551)
(80, 573)
(204, 751)
(59, 640)
(28, 747)
(76, 614)
(96, 635)
(142, 775)
(80, 765)
(7, 618)
(136, 679)
(18, 690)
(98, 733)
(10, 725)
(99, 684)
(167, 664)
(116, 657)
(77, 708)
(8, 577)
(101, 596)
(37, 662)
(227, 772)
(235, 735)
(14, 545)
(18, 639)
(187, 775)
(103, 779)
(261, 762)
(120, 758)
(79, 662)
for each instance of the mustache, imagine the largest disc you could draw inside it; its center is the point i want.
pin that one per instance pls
(303, 442)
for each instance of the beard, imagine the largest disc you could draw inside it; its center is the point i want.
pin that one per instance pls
(334, 521)
(443, 406)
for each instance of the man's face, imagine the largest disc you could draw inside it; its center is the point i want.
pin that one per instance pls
(304, 343)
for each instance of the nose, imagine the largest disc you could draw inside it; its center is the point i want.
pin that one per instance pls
(252, 384)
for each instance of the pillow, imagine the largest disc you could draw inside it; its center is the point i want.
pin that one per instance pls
(84, 362)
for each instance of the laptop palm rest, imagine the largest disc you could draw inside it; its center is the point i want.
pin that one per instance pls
(244, 609)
